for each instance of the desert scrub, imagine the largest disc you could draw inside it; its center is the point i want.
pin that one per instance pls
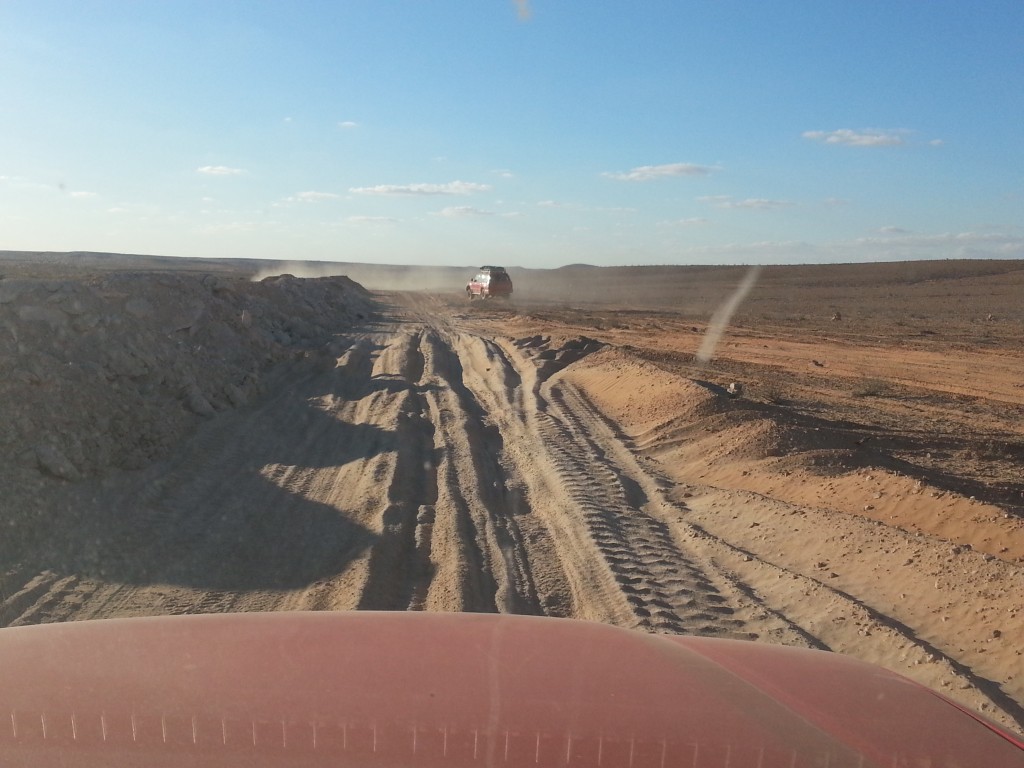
(771, 391)
(870, 388)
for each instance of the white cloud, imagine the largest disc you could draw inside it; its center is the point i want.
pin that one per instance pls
(649, 172)
(463, 212)
(451, 188)
(962, 243)
(893, 230)
(757, 204)
(219, 170)
(505, 174)
(348, 124)
(936, 142)
(371, 220)
(751, 203)
(313, 196)
(865, 138)
(80, 194)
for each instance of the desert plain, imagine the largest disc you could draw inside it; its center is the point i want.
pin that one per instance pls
(838, 464)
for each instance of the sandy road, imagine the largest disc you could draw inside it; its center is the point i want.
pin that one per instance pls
(415, 466)
(425, 464)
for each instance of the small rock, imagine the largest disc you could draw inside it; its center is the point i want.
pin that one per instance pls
(197, 402)
(56, 463)
(235, 396)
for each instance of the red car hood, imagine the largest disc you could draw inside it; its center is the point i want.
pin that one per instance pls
(415, 689)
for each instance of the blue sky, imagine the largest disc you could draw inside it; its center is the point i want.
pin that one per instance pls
(532, 133)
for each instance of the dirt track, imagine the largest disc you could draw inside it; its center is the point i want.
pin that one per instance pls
(468, 480)
(458, 461)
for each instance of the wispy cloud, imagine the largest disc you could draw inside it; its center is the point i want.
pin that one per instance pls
(219, 170)
(693, 221)
(560, 205)
(415, 190)
(893, 230)
(669, 170)
(883, 247)
(757, 204)
(865, 138)
(750, 203)
(463, 212)
(313, 196)
(963, 241)
(81, 194)
(371, 220)
(347, 124)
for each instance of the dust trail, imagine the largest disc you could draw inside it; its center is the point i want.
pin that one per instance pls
(376, 277)
(720, 319)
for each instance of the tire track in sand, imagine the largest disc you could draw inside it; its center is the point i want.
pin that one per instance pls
(610, 526)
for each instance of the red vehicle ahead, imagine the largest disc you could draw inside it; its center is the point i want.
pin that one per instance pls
(489, 282)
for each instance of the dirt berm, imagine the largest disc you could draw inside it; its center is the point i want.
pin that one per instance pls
(110, 371)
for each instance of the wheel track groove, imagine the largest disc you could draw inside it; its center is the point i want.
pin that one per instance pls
(666, 590)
